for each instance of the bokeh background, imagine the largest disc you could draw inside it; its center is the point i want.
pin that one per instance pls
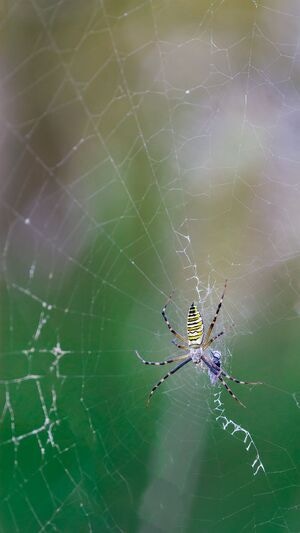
(148, 147)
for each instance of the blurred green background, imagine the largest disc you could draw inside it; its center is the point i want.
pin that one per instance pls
(148, 147)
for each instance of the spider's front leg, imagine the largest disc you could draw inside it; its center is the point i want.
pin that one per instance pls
(216, 368)
(175, 369)
(230, 391)
(217, 372)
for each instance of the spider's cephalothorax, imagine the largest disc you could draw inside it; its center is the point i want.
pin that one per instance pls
(195, 347)
(194, 327)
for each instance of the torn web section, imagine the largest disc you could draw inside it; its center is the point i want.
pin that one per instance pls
(32, 377)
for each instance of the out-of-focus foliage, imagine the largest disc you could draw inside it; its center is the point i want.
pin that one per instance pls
(148, 147)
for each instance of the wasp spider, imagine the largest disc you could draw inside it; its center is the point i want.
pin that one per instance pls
(197, 350)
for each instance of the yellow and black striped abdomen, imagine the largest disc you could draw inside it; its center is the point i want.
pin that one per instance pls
(194, 326)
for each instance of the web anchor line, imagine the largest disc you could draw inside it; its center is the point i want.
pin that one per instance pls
(231, 426)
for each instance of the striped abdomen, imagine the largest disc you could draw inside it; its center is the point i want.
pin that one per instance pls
(194, 326)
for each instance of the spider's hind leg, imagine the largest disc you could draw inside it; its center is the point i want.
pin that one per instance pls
(180, 337)
(214, 320)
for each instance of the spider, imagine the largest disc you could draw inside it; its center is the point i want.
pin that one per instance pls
(196, 345)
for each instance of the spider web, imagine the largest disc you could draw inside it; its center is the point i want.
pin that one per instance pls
(147, 149)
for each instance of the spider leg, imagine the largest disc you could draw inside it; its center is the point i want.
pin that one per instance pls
(161, 363)
(212, 324)
(168, 323)
(178, 367)
(230, 391)
(227, 376)
(180, 346)
(218, 370)
(210, 341)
